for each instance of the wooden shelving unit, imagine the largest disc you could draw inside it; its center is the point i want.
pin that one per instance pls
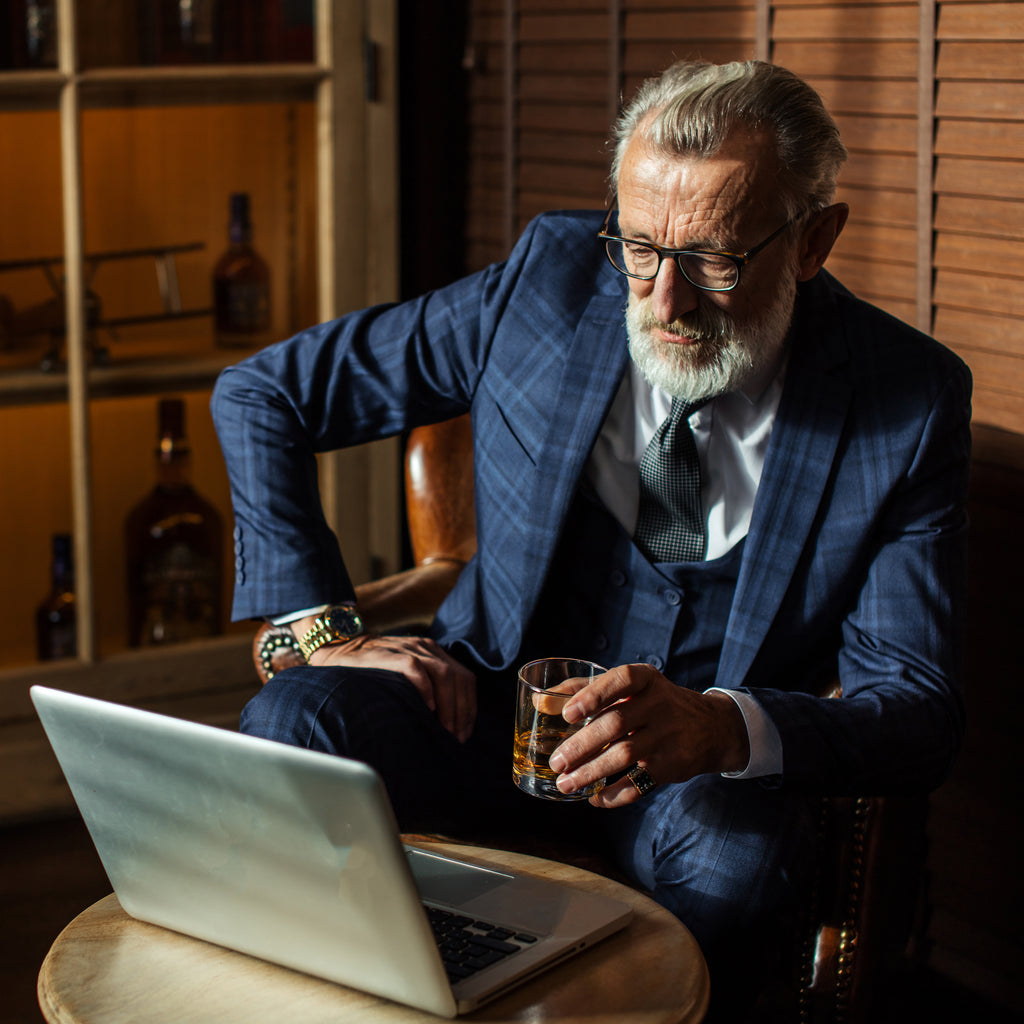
(335, 248)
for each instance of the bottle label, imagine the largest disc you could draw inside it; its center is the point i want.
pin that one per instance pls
(243, 307)
(180, 586)
(58, 638)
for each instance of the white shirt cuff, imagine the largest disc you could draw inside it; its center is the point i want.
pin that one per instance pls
(765, 742)
(282, 620)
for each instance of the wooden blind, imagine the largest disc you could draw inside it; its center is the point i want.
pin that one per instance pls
(928, 95)
(863, 60)
(979, 199)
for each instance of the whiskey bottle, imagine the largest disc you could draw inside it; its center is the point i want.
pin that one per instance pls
(28, 34)
(179, 31)
(173, 547)
(241, 284)
(289, 30)
(55, 616)
(40, 33)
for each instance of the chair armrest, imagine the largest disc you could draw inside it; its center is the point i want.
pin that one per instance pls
(439, 492)
(407, 599)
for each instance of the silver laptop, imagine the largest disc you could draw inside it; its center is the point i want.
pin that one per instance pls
(294, 856)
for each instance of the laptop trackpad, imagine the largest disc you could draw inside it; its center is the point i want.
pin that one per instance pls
(440, 880)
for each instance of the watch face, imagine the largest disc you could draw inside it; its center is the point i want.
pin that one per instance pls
(343, 621)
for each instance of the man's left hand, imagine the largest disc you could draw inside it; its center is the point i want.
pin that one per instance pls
(639, 717)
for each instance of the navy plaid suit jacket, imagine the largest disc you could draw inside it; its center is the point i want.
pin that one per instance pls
(855, 557)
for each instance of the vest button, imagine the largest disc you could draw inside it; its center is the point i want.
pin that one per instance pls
(617, 578)
(672, 597)
(655, 662)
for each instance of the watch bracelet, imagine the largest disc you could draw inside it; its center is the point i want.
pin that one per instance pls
(320, 634)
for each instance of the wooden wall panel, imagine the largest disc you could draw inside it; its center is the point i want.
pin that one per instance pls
(863, 59)
(986, 217)
(708, 25)
(857, 22)
(484, 63)
(641, 58)
(874, 206)
(979, 99)
(979, 199)
(842, 58)
(866, 96)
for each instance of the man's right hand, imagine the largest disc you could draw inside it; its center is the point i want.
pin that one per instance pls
(447, 687)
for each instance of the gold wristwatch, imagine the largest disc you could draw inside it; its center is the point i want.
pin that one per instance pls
(337, 623)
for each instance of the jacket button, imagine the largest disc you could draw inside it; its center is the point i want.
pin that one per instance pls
(617, 578)
(672, 597)
(655, 662)
(601, 643)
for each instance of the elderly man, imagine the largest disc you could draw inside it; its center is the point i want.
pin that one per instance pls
(699, 460)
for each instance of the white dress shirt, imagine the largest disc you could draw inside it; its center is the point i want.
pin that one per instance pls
(731, 434)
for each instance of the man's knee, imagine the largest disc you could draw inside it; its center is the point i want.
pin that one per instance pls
(722, 855)
(318, 707)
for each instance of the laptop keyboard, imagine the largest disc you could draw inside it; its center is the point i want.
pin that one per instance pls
(468, 945)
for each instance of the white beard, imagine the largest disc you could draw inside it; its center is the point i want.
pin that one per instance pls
(722, 357)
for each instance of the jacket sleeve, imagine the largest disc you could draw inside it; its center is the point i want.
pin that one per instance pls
(900, 721)
(368, 375)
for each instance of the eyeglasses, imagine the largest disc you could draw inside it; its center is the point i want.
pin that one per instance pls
(709, 271)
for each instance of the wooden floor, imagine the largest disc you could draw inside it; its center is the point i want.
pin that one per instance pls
(49, 872)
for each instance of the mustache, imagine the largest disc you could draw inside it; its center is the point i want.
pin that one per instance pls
(698, 325)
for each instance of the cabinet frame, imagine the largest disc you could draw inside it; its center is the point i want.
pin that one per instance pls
(356, 160)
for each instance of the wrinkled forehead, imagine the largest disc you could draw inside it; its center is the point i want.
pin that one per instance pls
(679, 200)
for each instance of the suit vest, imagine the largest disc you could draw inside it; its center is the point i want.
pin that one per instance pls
(605, 602)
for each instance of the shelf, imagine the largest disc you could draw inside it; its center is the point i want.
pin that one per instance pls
(206, 681)
(144, 675)
(206, 83)
(30, 90)
(136, 368)
(236, 83)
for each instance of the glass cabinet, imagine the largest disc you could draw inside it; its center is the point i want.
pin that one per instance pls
(127, 128)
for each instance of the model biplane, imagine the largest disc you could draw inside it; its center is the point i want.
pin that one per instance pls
(21, 328)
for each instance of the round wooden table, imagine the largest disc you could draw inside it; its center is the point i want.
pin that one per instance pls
(108, 968)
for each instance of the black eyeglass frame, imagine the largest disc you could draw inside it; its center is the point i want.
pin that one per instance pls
(739, 259)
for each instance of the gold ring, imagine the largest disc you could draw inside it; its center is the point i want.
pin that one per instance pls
(641, 779)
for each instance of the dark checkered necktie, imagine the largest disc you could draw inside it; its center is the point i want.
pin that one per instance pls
(670, 525)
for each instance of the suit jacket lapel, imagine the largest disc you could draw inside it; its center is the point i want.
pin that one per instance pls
(594, 366)
(807, 430)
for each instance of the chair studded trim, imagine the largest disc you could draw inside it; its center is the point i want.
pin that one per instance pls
(670, 523)
(275, 649)
(829, 951)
